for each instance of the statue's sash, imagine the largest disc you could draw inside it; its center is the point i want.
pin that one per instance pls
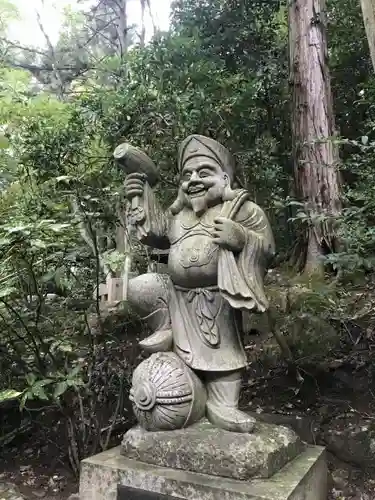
(240, 278)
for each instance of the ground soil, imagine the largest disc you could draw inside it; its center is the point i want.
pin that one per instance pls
(338, 391)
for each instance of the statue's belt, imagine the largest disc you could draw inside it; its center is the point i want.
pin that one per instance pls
(207, 291)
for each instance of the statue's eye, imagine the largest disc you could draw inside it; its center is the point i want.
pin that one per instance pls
(204, 173)
(186, 176)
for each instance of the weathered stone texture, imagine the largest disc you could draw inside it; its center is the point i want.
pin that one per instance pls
(206, 449)
(304, 478)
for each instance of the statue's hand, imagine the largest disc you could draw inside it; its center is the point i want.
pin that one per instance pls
(134, 185)
(229, 234)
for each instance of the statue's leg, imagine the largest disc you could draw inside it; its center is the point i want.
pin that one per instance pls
(149, 295)
(223, 391)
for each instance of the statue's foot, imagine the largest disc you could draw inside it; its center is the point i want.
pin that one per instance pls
(230, 419)
(160, 341)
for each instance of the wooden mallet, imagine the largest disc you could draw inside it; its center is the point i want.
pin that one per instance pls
(132, 160)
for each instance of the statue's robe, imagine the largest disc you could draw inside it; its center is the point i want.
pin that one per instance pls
(209, 285)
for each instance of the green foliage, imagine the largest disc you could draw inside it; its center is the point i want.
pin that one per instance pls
(350, 64)
(54, 342)
(356, 224)
(8, 13)
(9, 394)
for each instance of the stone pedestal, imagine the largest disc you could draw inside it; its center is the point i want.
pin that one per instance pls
(205, 463)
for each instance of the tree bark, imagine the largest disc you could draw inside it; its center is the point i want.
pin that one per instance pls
(123, 29)
(368, 10)
(154, 26)
(143, 25)
(316, 157)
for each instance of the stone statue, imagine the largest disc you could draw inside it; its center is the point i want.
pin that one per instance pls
(219, 244)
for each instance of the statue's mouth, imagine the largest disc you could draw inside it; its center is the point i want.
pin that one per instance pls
(196, 190)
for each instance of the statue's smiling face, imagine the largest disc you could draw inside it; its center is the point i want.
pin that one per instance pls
(203, 182)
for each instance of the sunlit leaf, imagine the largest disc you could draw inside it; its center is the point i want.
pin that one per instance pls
(4, 142)
(60, 388)
(9, 394)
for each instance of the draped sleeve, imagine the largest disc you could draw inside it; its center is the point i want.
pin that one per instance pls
(240, 277)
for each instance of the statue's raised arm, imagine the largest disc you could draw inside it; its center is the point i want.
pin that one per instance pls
(152, 224)
(144, 212)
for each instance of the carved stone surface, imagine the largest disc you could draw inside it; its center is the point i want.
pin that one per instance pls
(128, 493)
(219, 243)
(166, 394)
(206, 449)
(304, 478)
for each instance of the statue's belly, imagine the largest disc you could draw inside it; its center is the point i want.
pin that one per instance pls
(193, 262)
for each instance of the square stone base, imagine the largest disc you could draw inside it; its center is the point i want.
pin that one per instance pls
(206, 449)
(304, 478)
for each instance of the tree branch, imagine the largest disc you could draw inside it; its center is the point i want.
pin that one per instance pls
(53, 57)
(48, 67)
(21, 47)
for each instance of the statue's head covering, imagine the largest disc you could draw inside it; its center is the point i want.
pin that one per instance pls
(199, 145)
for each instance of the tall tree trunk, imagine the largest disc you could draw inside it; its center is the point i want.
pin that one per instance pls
(316, 157)
(143, 25)
(154, 26)
(368, 10)
(123, 29)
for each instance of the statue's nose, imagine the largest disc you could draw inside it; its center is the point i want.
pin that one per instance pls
(194, 176)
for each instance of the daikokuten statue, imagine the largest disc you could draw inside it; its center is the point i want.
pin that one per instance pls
(219, 245)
